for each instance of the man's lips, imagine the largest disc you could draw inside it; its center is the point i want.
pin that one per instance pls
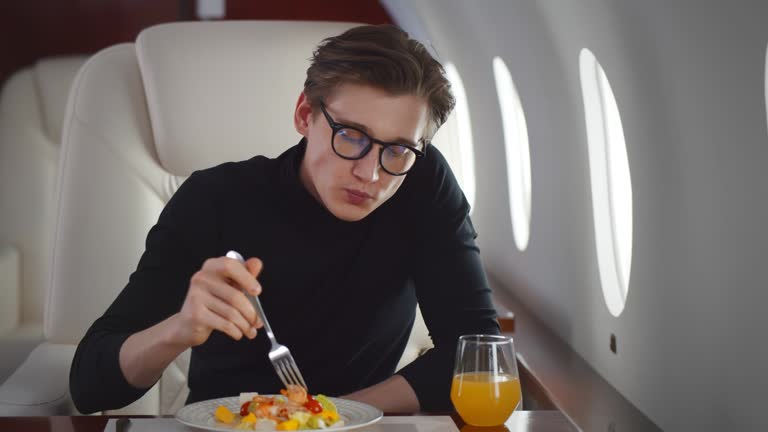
(358, 193)
(356, 197)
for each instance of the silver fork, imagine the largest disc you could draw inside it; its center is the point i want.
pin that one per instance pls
(279, 355)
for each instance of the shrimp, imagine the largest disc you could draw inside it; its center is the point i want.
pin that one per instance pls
(262, 399)
(267, 411)
(295, 394)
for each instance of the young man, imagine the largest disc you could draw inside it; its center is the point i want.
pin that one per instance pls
(346, 231)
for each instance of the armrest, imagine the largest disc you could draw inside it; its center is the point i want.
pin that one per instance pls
(40, 386)
(15, 346)
(10, 269)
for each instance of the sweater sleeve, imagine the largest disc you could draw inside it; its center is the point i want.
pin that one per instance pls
(176, 247)
(451, 286)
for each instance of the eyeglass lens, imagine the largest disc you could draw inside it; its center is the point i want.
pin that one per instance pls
(353, 144)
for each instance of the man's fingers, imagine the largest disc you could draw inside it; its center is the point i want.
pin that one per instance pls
(230, 314)
(254, 266)
(240, 274)
(234, 298)
(216, 322)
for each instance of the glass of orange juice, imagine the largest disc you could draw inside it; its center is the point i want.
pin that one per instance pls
(486, 386)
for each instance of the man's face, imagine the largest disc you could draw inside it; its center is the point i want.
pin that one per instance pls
(352, 189)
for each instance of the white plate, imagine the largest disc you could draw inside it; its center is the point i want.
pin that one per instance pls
(200, 414)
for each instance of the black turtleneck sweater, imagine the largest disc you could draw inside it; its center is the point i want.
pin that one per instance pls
(341, 295)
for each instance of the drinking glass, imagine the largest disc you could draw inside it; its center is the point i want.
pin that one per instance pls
(486, 387)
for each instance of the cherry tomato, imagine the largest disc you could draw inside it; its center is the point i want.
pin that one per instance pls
(244, 409)
(313, 406)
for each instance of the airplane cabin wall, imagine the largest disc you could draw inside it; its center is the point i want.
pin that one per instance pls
(689, 81)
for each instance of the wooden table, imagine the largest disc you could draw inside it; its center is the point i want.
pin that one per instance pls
(523, 421)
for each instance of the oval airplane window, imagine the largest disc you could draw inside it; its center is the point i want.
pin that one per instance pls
(517, 152)
(610, 182)
(454, 138)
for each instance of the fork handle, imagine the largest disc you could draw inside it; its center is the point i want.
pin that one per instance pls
(255, 300)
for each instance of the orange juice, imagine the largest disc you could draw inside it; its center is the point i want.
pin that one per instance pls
(485, 399)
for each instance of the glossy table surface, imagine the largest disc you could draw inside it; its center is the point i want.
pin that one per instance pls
(522, 421)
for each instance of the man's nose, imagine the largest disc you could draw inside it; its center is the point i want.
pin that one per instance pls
(367, 168)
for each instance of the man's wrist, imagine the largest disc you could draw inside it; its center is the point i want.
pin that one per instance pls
(170, 334)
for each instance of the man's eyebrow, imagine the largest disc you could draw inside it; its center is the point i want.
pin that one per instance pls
(365, 129)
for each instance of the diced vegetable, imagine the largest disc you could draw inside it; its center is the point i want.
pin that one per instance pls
(316, 422)
(288, 425)
(248, 420)
(301, 417)
(326, 403)
(313, 406)
(244, 408)
(224, 415)
(330, 417)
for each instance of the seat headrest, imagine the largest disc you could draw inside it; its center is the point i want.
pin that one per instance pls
(224, 91)
(53, 77)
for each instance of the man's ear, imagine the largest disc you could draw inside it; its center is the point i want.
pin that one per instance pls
(302, 115)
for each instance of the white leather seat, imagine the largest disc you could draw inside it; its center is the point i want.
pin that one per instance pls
(32, 108)
(418, 342)
(142, 117)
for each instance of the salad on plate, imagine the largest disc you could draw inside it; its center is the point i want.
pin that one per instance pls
(293, 409)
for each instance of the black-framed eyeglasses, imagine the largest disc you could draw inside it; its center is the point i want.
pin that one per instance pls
(351, 143)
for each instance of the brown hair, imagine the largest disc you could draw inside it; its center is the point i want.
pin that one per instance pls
(382, 56)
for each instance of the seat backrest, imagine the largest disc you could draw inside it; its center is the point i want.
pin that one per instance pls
(142, 117)
(32, 108)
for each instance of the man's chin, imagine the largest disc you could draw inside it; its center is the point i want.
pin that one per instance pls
(350, 213)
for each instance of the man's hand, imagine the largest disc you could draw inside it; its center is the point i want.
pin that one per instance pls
(215, 301)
